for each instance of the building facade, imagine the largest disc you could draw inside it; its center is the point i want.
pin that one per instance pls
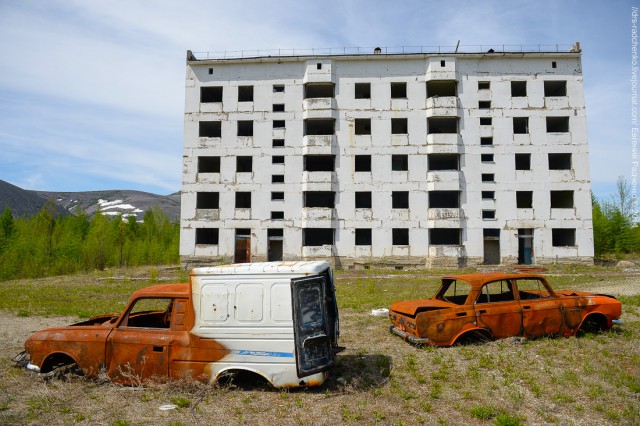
(401, 159)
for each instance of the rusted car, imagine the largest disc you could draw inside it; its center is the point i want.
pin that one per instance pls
(499, 305)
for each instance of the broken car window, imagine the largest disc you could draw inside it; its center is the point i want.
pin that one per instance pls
(453, 291)
(496, 291)
(150, 313)
(532, 288)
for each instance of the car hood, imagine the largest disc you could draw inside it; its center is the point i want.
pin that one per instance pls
(411, 307)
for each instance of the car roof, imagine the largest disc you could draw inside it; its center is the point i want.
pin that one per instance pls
(163, 290)
(477, 280)
(300, 267)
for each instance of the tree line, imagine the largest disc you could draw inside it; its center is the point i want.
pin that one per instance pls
(47, 245)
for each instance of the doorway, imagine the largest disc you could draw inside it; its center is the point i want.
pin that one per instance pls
(525, 246)
(243, 246)
(491, 246)
(275, 244)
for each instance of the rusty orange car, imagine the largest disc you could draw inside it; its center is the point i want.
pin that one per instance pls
(490, 306)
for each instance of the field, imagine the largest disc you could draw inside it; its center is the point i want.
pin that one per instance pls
(593, 379)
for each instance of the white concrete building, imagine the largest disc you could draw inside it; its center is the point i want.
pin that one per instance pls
(400, 159)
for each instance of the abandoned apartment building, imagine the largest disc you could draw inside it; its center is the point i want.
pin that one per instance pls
(410, 159)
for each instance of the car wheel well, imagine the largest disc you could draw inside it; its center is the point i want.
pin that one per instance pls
(477, 335)
(594, 322)
(242, 379)
(56, 360)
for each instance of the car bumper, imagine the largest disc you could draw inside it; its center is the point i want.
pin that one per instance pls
(408, 337)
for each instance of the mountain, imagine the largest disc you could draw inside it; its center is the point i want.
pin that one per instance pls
(109, 202)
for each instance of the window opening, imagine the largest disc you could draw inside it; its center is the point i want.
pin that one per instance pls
(245, 128)
(314, 237)
(518, 89)
(362, 163)
(560, 161)
(207, 236)
(520, 125)
(444, 199)
(319, 199)
(245, 93)
(443, 162)
(210, 129)
(363, 200)
(400, 200)
(362, 126)
(524, 199)
(398, 90)
(441, 88)
(211, 94)
(363, 236)
(523, 161)
(444, 236)
(319, 163)
(243, 200)
(208, 200)
(399, 162)
(244, 164)
(209, 164)
(557, 124)
(363, 90)
(400, 236)
(562, 199)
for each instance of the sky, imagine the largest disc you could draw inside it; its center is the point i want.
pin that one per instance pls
(92, 92)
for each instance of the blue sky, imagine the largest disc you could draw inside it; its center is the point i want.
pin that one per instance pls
(92, 92)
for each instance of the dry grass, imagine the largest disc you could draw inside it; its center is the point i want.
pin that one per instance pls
(379, 379)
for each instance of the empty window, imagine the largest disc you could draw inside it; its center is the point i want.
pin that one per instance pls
(398, 90)
(520, 125)
(319, 163)
(315, 237)
(484, 104)
(554, 64)
(444, 199)
(363, 200)
(486, 141)
(560, 161)
(210, 70)
(524, 199)
(278, 143)
(362, 163)
(278, 107)
(319, 66)
(277, 178)
(491, 233)
(362, 126)
(444, 236)
(518, 89)
(210, 129)
(484, 85)
(207, 236)
(443, 162)
(245, 93)
(554, 88)
(277, 159)
(561, 199)
(400, 200)
(243, 200)
(488, 177)
(557, 124)
(400, 162)
(563, 237)
(363, 236)
(400, 236)
(277, 195)
(207, 200)
(442, 63)
(441, 88)
(209, 164)
(319, 90)
(488, 214)
(486, 158)
(275, 232)
(488, 195)
(319, 126)
(278, 88)
(278, 124)
(523, 161)
(363, 90)
(210, 94)
(323, 199)
(244, 164)
(485, 121)
(245, 128)
(399, 126)
(277, 215)
(442, 125)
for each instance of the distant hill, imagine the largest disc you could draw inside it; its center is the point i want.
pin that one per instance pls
(110, 202)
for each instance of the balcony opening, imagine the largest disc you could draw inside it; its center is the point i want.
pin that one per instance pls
(319, 90)
(484, 105)
(363, 200)
(319, 126)
(277, 159)
(278, 88)
(398, 90)
(486, 141)
(244, 164)
(400, 236)
(243, 200)
(555, 88)
(322, 199)
(362, 163)
(524, 199)
(362, 91)
(362, 126)
(277, 196)
(486, 158)
(523, 161)
(210, 129)
(562, 199)
(442, 125)
(277, 215)
(488, 177)
(207, 236)
(444, 236)
(560, 161)
(520, 125)
(208, 200)
(444, 199)
(278, 143)
(488, 195)
(277, 178)
(441, 88)
(561, 237)
(210, 94)
(485, 121)
(245, 93)
(399, 126)
(400, 200)
(484, 85)
(363, 236)
(518, 89)
(557, 124)
(443, 162)
(315, 237)
(278, 124)
(319, 163)
(488, 214)
(278, 107)
(400, 163)
(245, 128)
(208, 164)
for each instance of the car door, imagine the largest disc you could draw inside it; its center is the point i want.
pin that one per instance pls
(311, 327)
(497, 309)
(542, 313)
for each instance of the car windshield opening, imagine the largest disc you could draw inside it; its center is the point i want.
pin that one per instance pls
(453, 291)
